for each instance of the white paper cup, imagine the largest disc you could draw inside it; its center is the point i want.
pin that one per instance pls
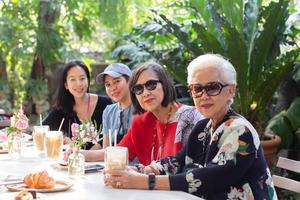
(116, 157)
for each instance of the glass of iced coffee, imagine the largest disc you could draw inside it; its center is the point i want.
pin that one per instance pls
(39, 133)
(116, 157)
(53, 144)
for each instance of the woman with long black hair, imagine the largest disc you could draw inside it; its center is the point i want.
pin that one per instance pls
(74, 103)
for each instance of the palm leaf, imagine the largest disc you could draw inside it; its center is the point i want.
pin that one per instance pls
(176, 73)
(293, 113)
(237, 54)
(209, 42)
(274, 14)
(233, 12)
(182, 36)
(264, 91)
(250, 23)
(203, 14)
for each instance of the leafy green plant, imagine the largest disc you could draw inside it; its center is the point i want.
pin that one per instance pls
(36, 87)
(287, 125)
(35, 36)
(249, 33)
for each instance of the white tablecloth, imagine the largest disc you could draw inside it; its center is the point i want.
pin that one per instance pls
(89, 187)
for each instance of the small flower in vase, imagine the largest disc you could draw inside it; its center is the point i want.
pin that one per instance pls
(81, 134)
(19, 123)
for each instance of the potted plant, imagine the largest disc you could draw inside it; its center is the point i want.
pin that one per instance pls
(249, 34)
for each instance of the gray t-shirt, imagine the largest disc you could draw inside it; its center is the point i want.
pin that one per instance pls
(111, 120)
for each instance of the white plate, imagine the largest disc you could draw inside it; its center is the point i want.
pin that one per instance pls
(60, 186)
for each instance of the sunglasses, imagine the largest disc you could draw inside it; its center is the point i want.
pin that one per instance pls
(149, 85)
(211, 89)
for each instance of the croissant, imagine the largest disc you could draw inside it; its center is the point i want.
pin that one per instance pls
(39, 180)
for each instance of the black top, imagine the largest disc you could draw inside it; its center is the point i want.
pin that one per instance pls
(55, 116)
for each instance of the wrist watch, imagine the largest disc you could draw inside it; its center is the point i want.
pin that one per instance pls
(151, 181)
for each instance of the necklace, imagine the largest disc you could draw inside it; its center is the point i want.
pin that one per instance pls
(155, 137)
(85, 116)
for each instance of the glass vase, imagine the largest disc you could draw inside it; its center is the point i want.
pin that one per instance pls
(14, 145)
(76, 163)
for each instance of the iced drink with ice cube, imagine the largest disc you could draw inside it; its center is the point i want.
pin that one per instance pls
(53, 144)
(116, 157)
(39, 133)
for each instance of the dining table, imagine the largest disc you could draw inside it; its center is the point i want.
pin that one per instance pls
(88, 186)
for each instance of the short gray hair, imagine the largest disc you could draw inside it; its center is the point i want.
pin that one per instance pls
(227, 72)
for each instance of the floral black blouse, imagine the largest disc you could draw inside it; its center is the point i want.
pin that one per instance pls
(225, 163)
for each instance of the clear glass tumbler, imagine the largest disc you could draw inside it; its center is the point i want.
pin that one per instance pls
(53, 144)
(116, 157)
(39, 133)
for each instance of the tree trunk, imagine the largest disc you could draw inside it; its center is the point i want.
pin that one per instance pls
(46, 18)
(38, 67)
(43, 57)
(3, 73)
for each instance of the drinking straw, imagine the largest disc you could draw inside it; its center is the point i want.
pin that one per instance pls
(61, 123)
(109, 137)
(115, 134)
(41, 120)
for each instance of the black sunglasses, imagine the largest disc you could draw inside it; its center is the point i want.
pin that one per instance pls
(211, 89)
(149, 85)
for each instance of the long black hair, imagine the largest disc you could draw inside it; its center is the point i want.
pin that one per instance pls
(63, 99)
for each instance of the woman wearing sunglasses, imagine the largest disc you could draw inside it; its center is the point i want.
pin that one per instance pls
(223, 158)
(161, 125)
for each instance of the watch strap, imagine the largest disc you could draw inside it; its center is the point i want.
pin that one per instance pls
(151, 181)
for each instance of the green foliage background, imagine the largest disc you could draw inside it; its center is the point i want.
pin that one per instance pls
(37, 35)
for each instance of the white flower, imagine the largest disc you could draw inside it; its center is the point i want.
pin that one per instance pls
(201, 136)
(194, 184)
(269, 179)
(83, 133)
(235, 194)
(188, 160)
(244, 193)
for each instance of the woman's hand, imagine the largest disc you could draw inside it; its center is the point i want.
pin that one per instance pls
(67, 140)
(150, 169)
(126, 179)
(67, 153)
